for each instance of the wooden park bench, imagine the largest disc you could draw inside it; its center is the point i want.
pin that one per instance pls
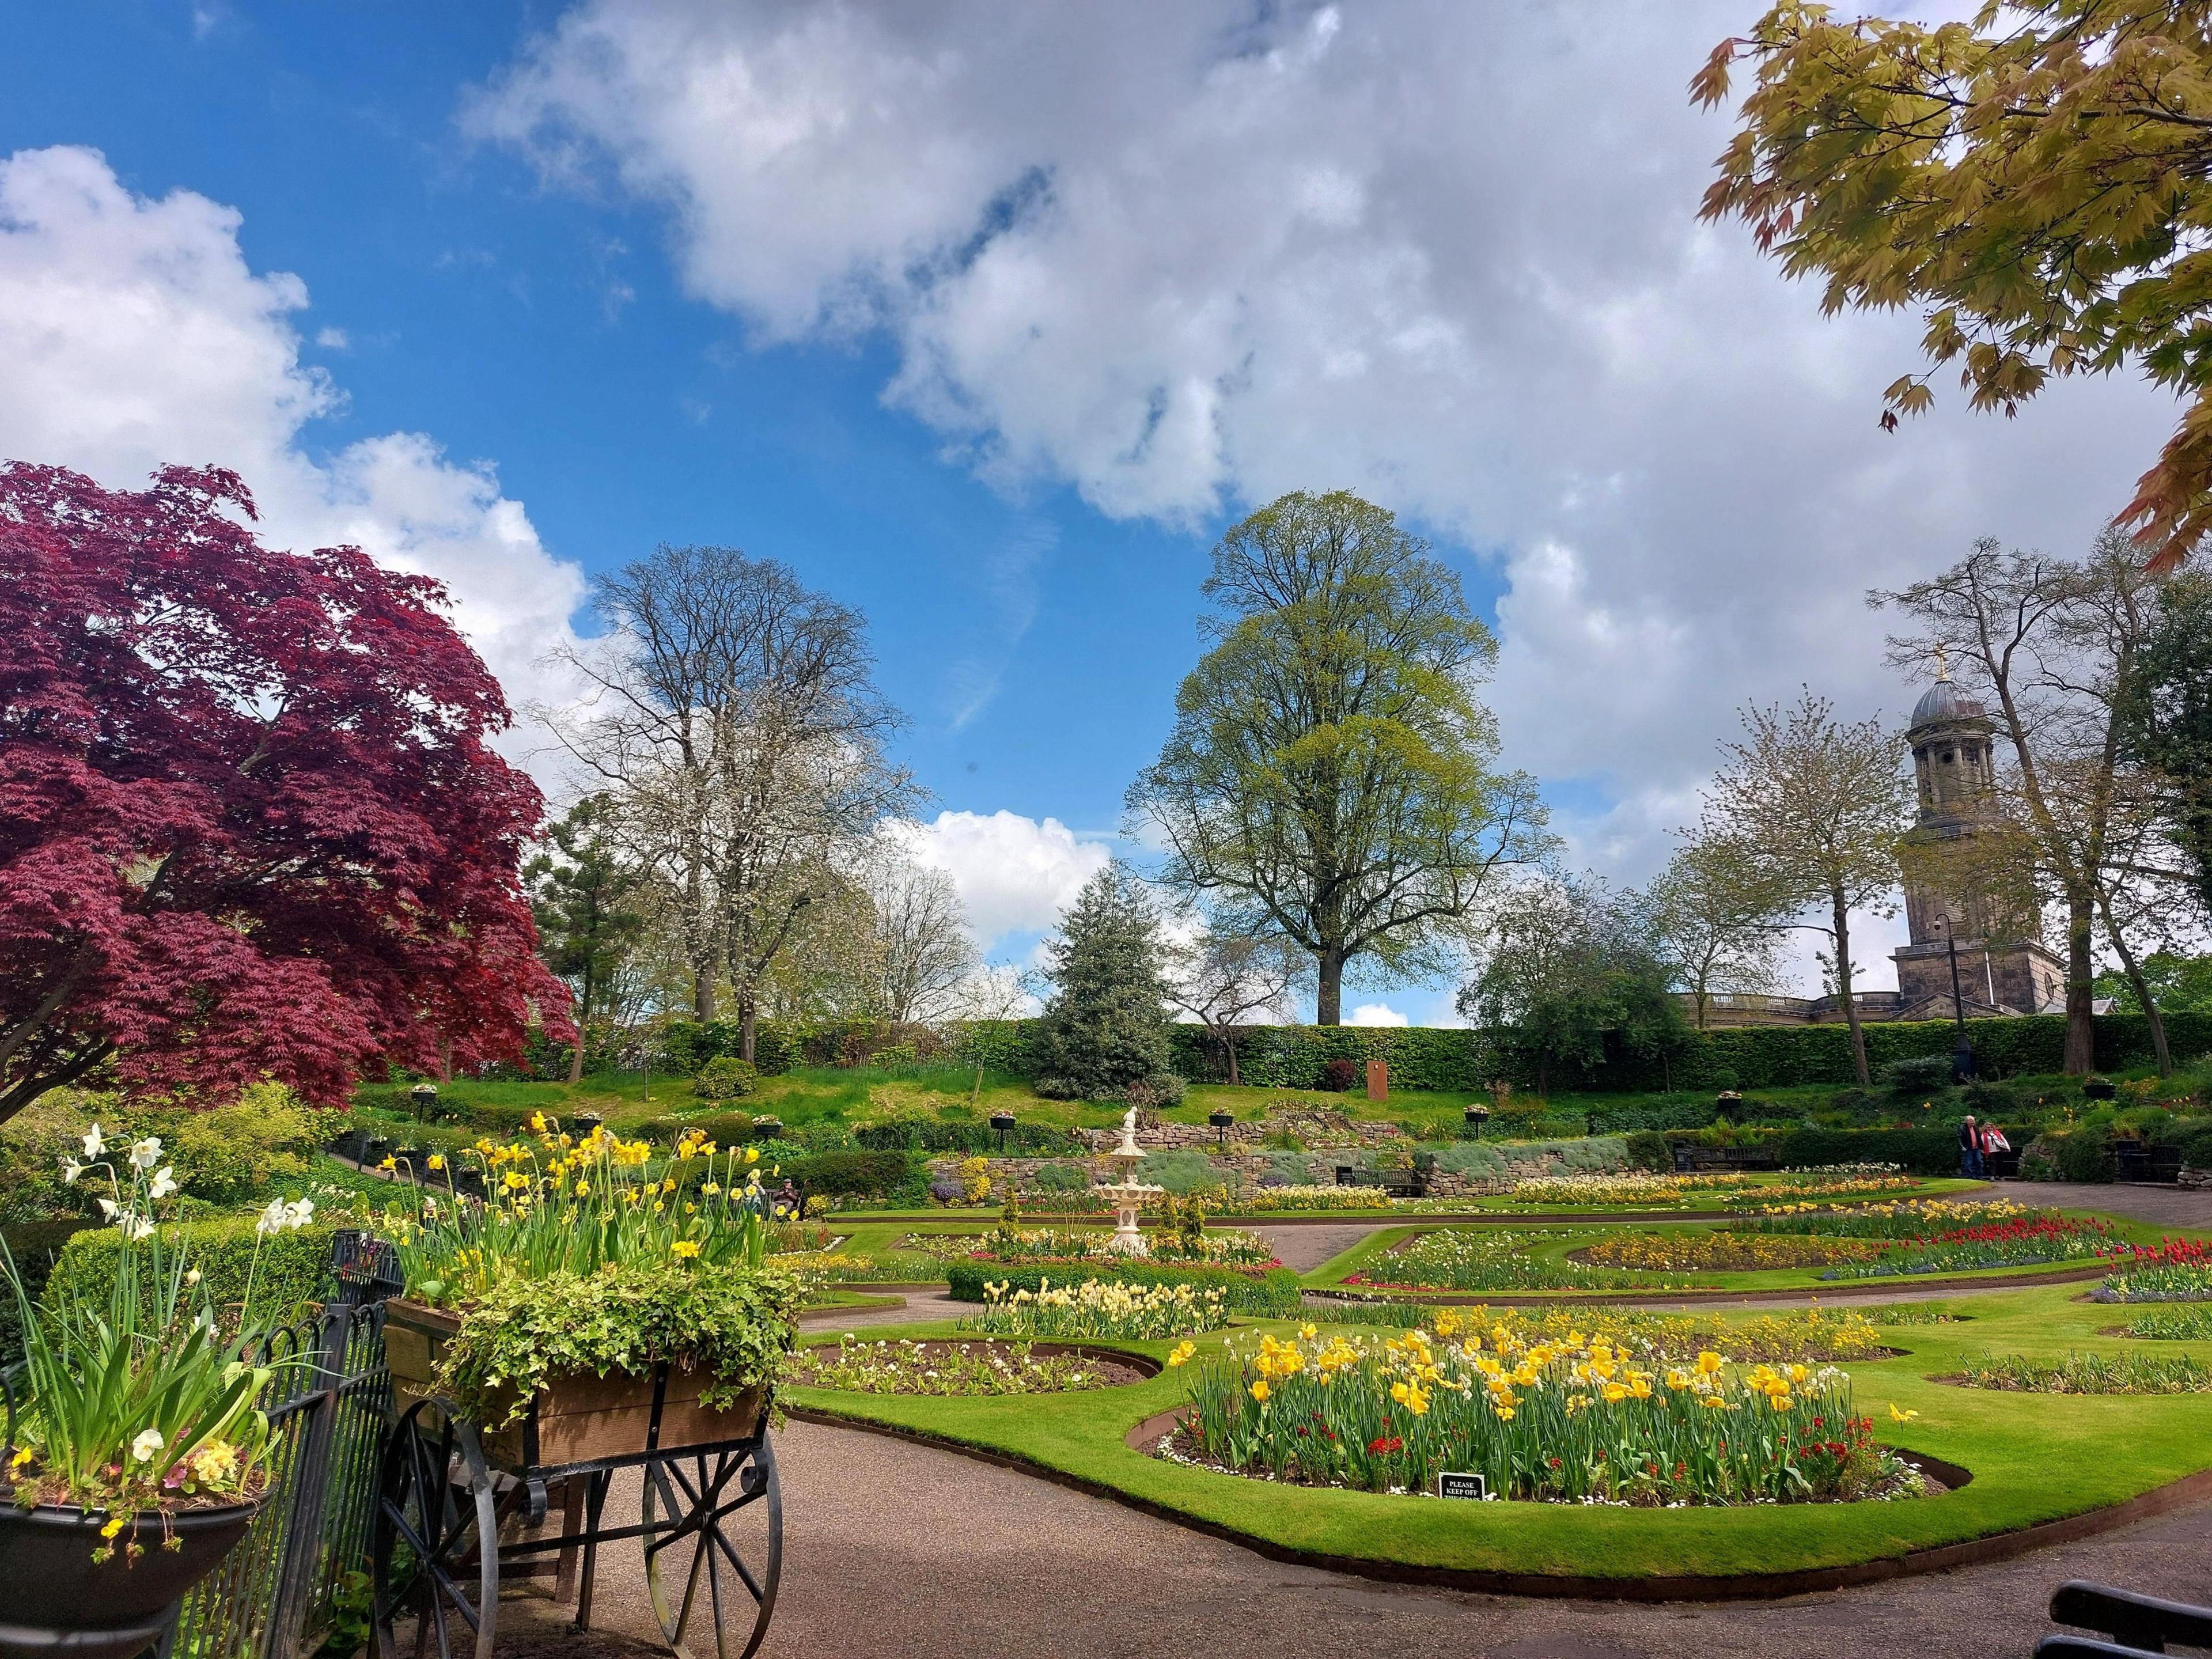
(1394, 1183)
(1706, 1160)
(2130, 1624)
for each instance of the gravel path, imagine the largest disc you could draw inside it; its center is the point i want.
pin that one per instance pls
(2162, 1207)
(893, 1549)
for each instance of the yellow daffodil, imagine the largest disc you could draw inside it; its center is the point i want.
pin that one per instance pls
(684, 1249)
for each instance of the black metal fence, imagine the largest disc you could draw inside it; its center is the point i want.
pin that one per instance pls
(300, 1579)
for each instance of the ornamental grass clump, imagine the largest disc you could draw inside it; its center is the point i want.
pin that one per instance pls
(1548, 1421)
(2176, 1270)
(2180, 1321)
(133, 1403)
(2090, 1373)
(1100, 1308)
(1487, 1260)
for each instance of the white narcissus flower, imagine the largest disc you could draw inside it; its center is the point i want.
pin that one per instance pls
(148, 1152)
(165, 1182)
(71, 1170)
(93, 1145)
(107, 1208)
(193, 1277)
(301, 1214)
(148, 1442)
(135, 1227)
(271, 1220)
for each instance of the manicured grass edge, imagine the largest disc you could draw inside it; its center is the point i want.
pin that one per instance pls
(1677, 1587)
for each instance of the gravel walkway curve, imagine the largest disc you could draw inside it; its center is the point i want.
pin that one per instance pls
(896, 1549)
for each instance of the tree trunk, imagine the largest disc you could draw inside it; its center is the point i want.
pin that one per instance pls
(444, 1060)
(576, 1060)
(1228, 1042)
(1328, 1003)
(1543, 1071)
(703, 995)
(2081, 1057)
(2140, 987)
(748, 1023)
(1841, 914)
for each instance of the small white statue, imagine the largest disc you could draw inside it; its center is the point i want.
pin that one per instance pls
(1128, 1148)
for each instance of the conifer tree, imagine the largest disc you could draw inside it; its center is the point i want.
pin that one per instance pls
(1105, 1032)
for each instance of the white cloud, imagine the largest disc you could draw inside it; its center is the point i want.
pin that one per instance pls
(135, 335)
(1190, 254)
(1375, 1013)
(1015, 874)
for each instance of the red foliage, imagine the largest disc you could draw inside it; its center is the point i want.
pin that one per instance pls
(249, 824)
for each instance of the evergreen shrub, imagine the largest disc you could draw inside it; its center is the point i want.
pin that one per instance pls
(292, 1280)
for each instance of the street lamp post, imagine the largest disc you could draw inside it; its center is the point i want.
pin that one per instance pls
(1962, 1052)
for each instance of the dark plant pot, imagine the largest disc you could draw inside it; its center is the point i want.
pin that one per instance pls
(767, 1128)
(1219, 1120)
(1002, 1120)
(2098, 1089)
(55, 1599)
(584, 1122)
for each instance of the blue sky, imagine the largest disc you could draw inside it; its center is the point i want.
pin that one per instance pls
(986, 317)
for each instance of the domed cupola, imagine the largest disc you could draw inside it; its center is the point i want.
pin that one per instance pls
(1942, 700)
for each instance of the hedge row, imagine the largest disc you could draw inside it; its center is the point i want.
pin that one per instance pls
(1928, 1151)
(927, 1135)
(1747, 1057)
(293, 1277)
(33, 1246)
(1275, 1293)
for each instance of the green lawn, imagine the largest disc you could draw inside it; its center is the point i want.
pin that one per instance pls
(2033, 1458)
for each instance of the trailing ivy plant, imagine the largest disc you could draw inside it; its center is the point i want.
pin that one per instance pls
(733, 1322)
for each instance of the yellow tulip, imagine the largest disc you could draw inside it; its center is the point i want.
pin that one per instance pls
(1260, 1391)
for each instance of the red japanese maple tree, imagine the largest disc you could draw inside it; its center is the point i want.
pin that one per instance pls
(249, 823)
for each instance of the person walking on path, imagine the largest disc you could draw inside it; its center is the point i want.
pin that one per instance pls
(1970, 1150)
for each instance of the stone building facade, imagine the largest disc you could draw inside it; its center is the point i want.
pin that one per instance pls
(2004, 969)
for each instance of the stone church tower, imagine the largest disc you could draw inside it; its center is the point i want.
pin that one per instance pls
(2003, 970)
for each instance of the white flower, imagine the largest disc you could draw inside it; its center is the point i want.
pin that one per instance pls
(148, 1442)
(193, 1277)
(148, 1152)
(93, 1145)
(272, 1219)
(107, 1208)
(135, 1227)
(164, 1182)
(71, 1170)
(300, 1214)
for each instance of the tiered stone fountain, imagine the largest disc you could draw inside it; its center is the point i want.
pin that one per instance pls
(1128, 1194)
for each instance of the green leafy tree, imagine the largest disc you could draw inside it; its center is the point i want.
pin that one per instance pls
(1330, 777)
(585, 901)
(1104, 1036)
(2038, 181)
(1717, 915)
(1820, 803)
(2179, 984)
(2165, 720)
(1566, 964)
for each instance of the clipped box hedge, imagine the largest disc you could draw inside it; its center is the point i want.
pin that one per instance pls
(1273, 1293)
(848, 1175)
(293, 1279)
(1929, 1151)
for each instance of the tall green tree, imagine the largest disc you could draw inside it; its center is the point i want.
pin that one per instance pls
(2166, 717)
(1820, 803)
(2037, 181)
(585, 900)
(1331, 775)
(1104, 1036)
(1566, 965)
(1718, 915)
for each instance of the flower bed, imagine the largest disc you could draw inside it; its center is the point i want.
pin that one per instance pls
(2090, 1373)
(1485, 1260)
(1799, 1187)
(1727, 1251)
(2018, 1243)
(964, 1368)
(1270, 1291)
(2173, 1322)
(1545, 1421)
(1921, 1218)
(1101, 1308)
(1807, 1337)
(1268, 1201)
(2177, 1270)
